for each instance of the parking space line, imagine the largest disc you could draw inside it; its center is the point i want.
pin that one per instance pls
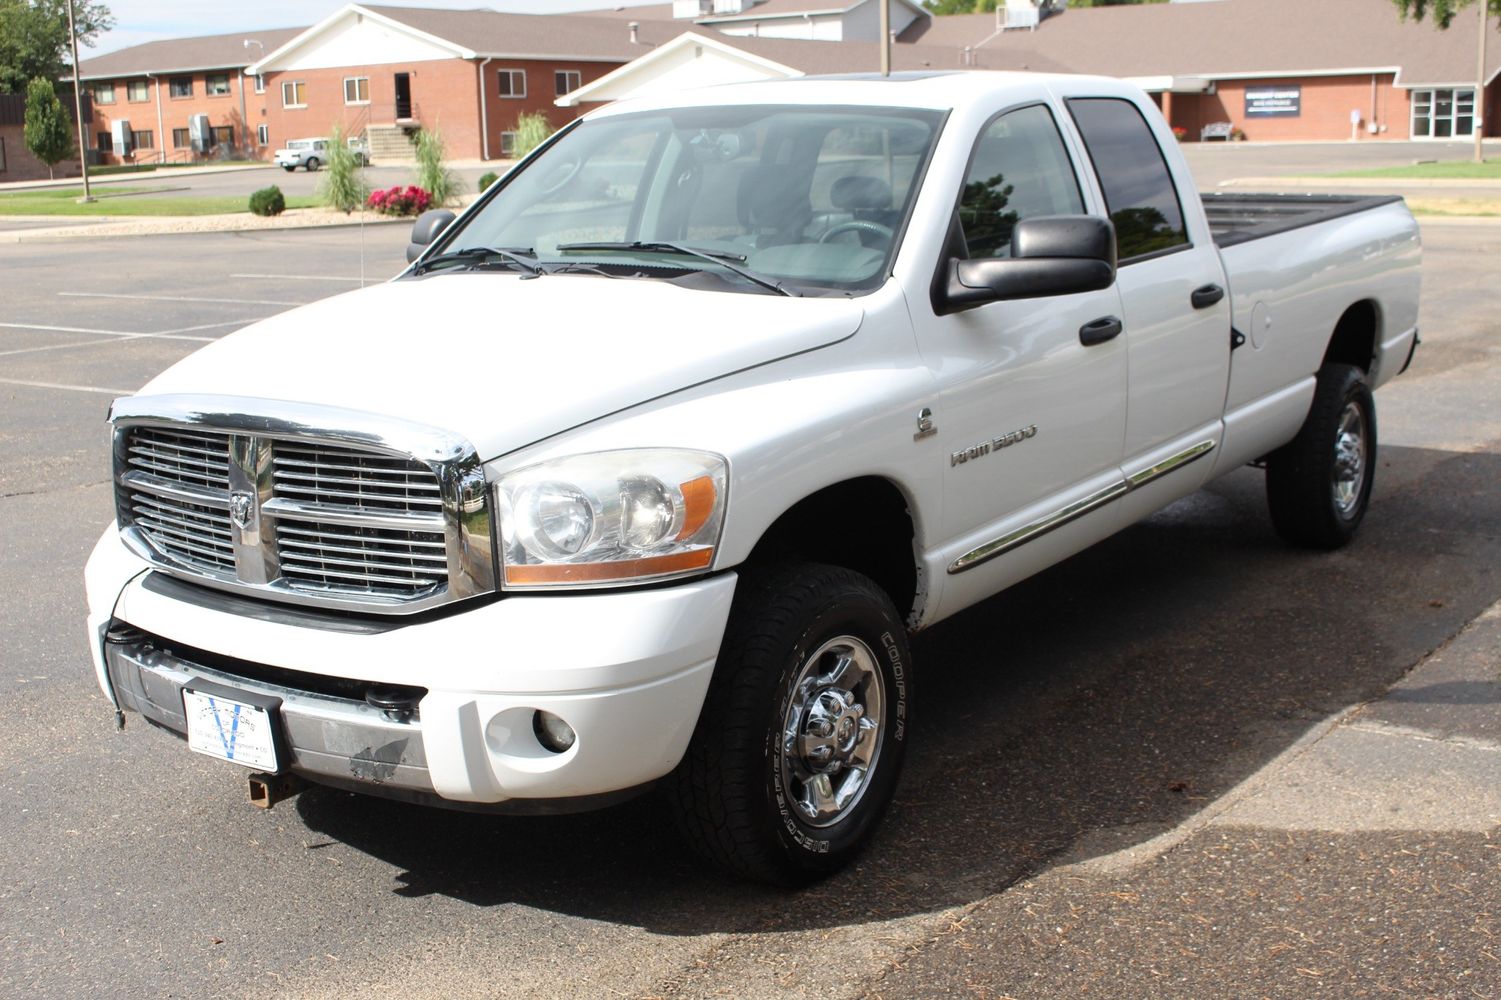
(63, 347)
(179, 298)
(301, 277)
(62, 385)
(122, 334)
(206, 326)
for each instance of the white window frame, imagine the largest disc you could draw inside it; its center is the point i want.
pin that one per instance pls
(356, 80)
(574, 79)
(507, 144)
(208, 79)
(145, 91)
(260, 84)
(135, 142)
(187, 136)
(295, 85)
(1427, 100)
(172, 86)
(99, 88)
(513, 75)
(263, 135)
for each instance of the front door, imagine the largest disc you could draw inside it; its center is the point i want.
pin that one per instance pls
(403, 97)
(1031, 416)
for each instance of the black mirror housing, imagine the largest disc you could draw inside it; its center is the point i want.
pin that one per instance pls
(428, 227)
(1051, 255)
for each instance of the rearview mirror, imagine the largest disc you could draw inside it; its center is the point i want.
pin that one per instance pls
(1050, 255)
(428, 227)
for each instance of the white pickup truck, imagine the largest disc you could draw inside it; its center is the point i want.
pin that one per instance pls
(645, 470)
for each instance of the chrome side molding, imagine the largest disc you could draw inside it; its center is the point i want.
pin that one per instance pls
(1073, 511)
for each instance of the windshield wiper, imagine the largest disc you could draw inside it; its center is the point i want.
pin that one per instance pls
(521, 256)
(731, 261)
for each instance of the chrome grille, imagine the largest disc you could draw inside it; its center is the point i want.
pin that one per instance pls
(264, 506)
(188, 518)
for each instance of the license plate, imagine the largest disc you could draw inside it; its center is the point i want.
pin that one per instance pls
(232, 725)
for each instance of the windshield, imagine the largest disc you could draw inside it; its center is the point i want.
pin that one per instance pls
(811, 197)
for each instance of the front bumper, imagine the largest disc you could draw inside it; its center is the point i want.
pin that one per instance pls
(627, 670)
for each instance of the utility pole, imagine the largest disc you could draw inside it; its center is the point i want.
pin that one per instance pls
(885, 37)
(1485, 26)
(83, 153)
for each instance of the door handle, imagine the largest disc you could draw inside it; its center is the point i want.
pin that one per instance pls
(1207, 296)
(1103, 329)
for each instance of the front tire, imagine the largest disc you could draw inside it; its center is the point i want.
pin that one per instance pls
(800, 742)
(1318, 485)
(288, 169)
(312, 164)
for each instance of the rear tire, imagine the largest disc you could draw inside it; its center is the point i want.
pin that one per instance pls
(801, 738)
(1318, 485)
(312, 164)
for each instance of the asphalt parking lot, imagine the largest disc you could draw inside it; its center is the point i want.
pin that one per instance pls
(1080, 717)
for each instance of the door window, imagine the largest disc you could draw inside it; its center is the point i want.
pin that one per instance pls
(1139, 190)
(1020, 170)
(1443, 114)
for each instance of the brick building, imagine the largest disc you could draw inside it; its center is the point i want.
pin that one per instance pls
(17, 163)
(179, 100)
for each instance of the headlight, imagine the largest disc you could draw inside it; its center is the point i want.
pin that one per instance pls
(609, 518)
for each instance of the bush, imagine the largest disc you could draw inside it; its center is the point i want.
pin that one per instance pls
(341, 187)
(268, 201)
(410, 200)
(432, 175)
(1180, 133)
(487, 178)
(531, 131)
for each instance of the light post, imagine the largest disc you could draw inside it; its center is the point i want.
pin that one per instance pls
(1479, 119)
(83, 158)
(244, 114)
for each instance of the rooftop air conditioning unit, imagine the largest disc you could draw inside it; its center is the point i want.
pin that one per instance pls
(732, 6)
(691, 8)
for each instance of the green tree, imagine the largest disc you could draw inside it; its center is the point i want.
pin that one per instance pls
(532, 131)
(34, 38)
(1442, 12)
(342, 187)
(433, 175)
(49, 130)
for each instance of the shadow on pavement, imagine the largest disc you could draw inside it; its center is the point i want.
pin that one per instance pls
(1103, 701)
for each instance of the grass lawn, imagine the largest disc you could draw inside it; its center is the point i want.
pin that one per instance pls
(113, 200)
(1455, 206)
(1458, 170)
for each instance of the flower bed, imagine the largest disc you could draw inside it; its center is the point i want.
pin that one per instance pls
(409, 200)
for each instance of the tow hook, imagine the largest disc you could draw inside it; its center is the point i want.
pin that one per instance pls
(268, 789)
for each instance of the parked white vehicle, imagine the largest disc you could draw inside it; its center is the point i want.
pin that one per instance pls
(313, 153)
(646, 468)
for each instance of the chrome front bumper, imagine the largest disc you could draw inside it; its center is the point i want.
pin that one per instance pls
(336, 740)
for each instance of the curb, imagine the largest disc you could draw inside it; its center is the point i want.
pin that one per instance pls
(1427, 183)
(117, 227)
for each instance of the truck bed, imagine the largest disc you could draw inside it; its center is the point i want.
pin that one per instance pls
(1240, 218)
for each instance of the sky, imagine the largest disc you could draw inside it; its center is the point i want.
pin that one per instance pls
(139, 21)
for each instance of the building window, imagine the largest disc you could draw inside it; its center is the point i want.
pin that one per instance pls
(224, 135)
(180, 86)
(566, 81)
(136, 90)
(260, 84)
(216, 84)
(2, 154)
(356, 90)
(262, 135)
(294, 94)
(142, 140)
(508, 144)
(104, 93)
(181, 138)
(103, 142)
(512, 83)
(1443, 114)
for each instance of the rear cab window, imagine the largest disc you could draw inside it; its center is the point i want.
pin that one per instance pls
(1138, 186)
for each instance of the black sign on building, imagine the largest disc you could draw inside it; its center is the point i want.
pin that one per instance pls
(1274, 102)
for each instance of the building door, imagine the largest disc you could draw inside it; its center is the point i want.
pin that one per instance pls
(1443, 114)
(403, 97)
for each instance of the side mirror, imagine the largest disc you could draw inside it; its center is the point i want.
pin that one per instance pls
(1050, 255)
(428, 227)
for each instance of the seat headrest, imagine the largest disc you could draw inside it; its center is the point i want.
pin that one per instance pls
(860, 194)
(770, 199)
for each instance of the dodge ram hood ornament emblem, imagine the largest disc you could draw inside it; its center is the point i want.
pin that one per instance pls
(242, 509)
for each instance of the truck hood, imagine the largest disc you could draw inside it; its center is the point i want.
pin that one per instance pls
(502, 360)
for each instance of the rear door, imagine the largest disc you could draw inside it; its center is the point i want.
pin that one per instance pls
(1177, 308)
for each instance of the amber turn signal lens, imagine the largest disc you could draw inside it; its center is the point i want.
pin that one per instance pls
(698, 505)
(622, 569)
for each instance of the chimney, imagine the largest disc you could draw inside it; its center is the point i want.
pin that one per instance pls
(635, 33)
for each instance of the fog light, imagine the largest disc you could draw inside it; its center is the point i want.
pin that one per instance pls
(552, 732)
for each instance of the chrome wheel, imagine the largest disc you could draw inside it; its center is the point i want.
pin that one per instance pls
(1349, 459)
(831, 731)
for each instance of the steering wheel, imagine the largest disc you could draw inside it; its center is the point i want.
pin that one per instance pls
(861, 226)
(560, 175)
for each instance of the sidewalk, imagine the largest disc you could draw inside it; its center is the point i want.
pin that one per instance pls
(1365, 860)
(64, 182)
(34, 228)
